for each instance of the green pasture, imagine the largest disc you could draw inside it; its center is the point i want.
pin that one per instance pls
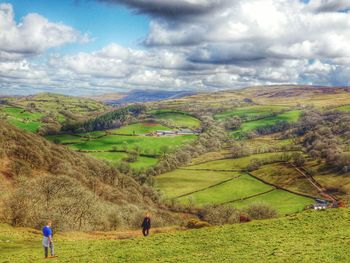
(29, 121)
(345, 108)
(290, 117)
(177, 119)
(147, 144)
(179, 182)
(241, 187)
(251, 112)
(139, 129)
(307, 237)
(283, 201)
(232, 164)
(287, 177)
(65, 138)
(115, 158)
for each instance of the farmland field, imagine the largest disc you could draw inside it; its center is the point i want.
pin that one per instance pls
(251, 112)
(208, 183)
(65, 138)
(283, 201)
(290, 117)
(148, 145)
(62, 106)
(176, 119)
(181, 182)
(115, 158)
(232, 164)
(29, 121)
(241, 187)
(345, 108)
(286, 177)
(139, 129)
(304, 237)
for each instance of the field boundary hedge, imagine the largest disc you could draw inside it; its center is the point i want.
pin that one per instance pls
(248, 197)
(208, 187)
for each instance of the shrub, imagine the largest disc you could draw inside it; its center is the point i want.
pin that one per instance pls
(243, 218)
(254, 164)
(196, 223)
(261, 211)
(220, 214)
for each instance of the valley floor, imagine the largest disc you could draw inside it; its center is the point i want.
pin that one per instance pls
(311, 236)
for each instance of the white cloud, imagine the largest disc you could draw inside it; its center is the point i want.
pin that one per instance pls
(33, 35)
(191, 44)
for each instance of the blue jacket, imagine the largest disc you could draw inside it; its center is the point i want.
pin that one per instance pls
(47, 231)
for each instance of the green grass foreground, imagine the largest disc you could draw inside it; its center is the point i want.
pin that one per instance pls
(312, 236)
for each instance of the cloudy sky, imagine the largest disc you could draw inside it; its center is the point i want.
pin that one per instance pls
(101, 46)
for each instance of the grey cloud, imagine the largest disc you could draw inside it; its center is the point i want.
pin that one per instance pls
(328, 5)
(171, 8)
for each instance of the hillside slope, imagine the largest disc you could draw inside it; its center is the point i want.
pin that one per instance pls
(311, 236)
(42, 180)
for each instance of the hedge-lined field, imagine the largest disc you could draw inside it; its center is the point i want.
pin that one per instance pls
(147, 145)
(181, 182)
(115, 158)
(251, 112)
(289, 117)
(139, 129)
(232, 164)
(242, 187)
(176, 119)
(29, 121)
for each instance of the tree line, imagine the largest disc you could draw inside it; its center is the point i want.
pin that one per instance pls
(109, 120)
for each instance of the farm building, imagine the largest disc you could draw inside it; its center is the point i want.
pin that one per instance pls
(165, 133)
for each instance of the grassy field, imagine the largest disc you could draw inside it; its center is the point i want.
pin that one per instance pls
(65, 138)
(308, 237)
(139, 129)
(62, 106)
(181, 182)
(283, 201)
(29, 121)
(251, 112)
(290, 117)
(286, 177)
(241, 187)
(148, 145)
(176, 119)
(209, 183)
(232, 164)
(99, 144)
(345, 108)
(115, 158)
(128, 137)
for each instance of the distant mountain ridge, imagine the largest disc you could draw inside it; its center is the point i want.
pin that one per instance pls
(135, 96)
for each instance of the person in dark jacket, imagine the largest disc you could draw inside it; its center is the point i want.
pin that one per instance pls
(146, 225)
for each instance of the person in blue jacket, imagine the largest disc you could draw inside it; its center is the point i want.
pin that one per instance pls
(48, 240)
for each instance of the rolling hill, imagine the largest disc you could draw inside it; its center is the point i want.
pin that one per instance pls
(307, 237)
(56, 178)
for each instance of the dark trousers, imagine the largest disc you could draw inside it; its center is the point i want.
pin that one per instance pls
(145, 231)
(52, 251)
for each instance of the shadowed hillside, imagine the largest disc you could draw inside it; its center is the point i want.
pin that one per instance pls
(45, 180)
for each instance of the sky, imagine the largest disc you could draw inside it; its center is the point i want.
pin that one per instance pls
(82, 47)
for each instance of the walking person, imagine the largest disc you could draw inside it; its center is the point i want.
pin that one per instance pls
(146, 225)
(48, 240)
